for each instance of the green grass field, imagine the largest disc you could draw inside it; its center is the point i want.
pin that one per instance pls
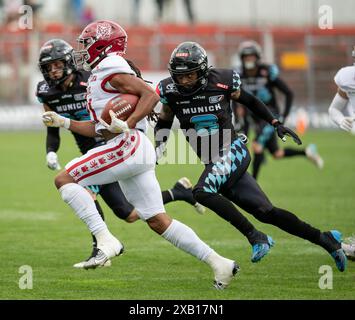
(39, 230)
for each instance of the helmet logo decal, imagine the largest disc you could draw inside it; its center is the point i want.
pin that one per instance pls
(48, 47)
(103, 31)
(182, 54)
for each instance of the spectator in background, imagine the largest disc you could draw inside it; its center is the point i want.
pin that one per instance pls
(262, 80)
(87, 16)
(82, 14)
(188, 7)
(77, 6)
(36, 6)
(11, 13)
(135, 12)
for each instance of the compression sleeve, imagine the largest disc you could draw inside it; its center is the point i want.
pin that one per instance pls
(53, 139)
(255, 105)
(161, 131)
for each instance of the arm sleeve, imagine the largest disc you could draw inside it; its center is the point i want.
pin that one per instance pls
(255, 105)
(53, 139)
(282, 86)
(162, 131)
(336, 109)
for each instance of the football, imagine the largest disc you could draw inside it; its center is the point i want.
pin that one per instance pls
(122, 105)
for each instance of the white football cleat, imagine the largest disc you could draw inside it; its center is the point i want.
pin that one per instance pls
(348, 245)
(224, 270)
(80, 265)
(313, 155)
(105, 251)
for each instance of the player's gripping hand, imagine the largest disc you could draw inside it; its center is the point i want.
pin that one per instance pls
(116, 126)
(53, 119)
(52, 161)
(160, 150)
(283, 131)
(347, 124)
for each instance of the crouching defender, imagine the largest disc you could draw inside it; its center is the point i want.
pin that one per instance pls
(199, 96)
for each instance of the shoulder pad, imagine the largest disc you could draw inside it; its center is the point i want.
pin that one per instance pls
(345, 77)
(116, 63)
(164, 88)
(236, 81)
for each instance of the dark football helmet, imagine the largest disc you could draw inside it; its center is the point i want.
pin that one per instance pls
(188, 57)
(249, 47)
(52, 50)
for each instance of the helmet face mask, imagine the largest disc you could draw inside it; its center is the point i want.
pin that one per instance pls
(51, 52)
(186, 59)
(248, 49)
(99, 39)
(250, 61)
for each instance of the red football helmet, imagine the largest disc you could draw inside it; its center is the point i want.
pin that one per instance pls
(100, 38)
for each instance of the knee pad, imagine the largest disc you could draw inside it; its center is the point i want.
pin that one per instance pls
(122, 213)
(263, 214)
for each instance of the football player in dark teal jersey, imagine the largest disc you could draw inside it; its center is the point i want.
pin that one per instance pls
(262, 80)
(199, 96)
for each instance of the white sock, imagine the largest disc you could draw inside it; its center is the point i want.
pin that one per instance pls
(183, 237)
(84, 206)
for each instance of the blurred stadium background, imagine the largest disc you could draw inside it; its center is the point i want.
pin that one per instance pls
(38, 229)
(289, 32)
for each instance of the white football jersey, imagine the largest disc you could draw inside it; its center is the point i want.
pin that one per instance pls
(99, 90)
(345, 80)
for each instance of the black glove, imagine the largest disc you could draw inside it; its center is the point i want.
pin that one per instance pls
(283, 131)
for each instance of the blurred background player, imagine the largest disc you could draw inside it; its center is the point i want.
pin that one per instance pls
(340, 110)
(261, 80)
(63, 90)
(342, 113)
(128, 156)
(207, 124)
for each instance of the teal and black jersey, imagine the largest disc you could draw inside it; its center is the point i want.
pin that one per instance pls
(70, 104)
(263, 85)
(205, 117)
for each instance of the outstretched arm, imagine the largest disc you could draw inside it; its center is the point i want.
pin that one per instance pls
(162, 129)
(53, 119)
(283, 87)
(262, 111)
(52, 145)
(254, 104)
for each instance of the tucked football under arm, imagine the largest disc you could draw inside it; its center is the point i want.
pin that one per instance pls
(127, 83)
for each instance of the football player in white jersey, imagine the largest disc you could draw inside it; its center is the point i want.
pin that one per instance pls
(342, 112)
(128, 156)
(338, 112)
